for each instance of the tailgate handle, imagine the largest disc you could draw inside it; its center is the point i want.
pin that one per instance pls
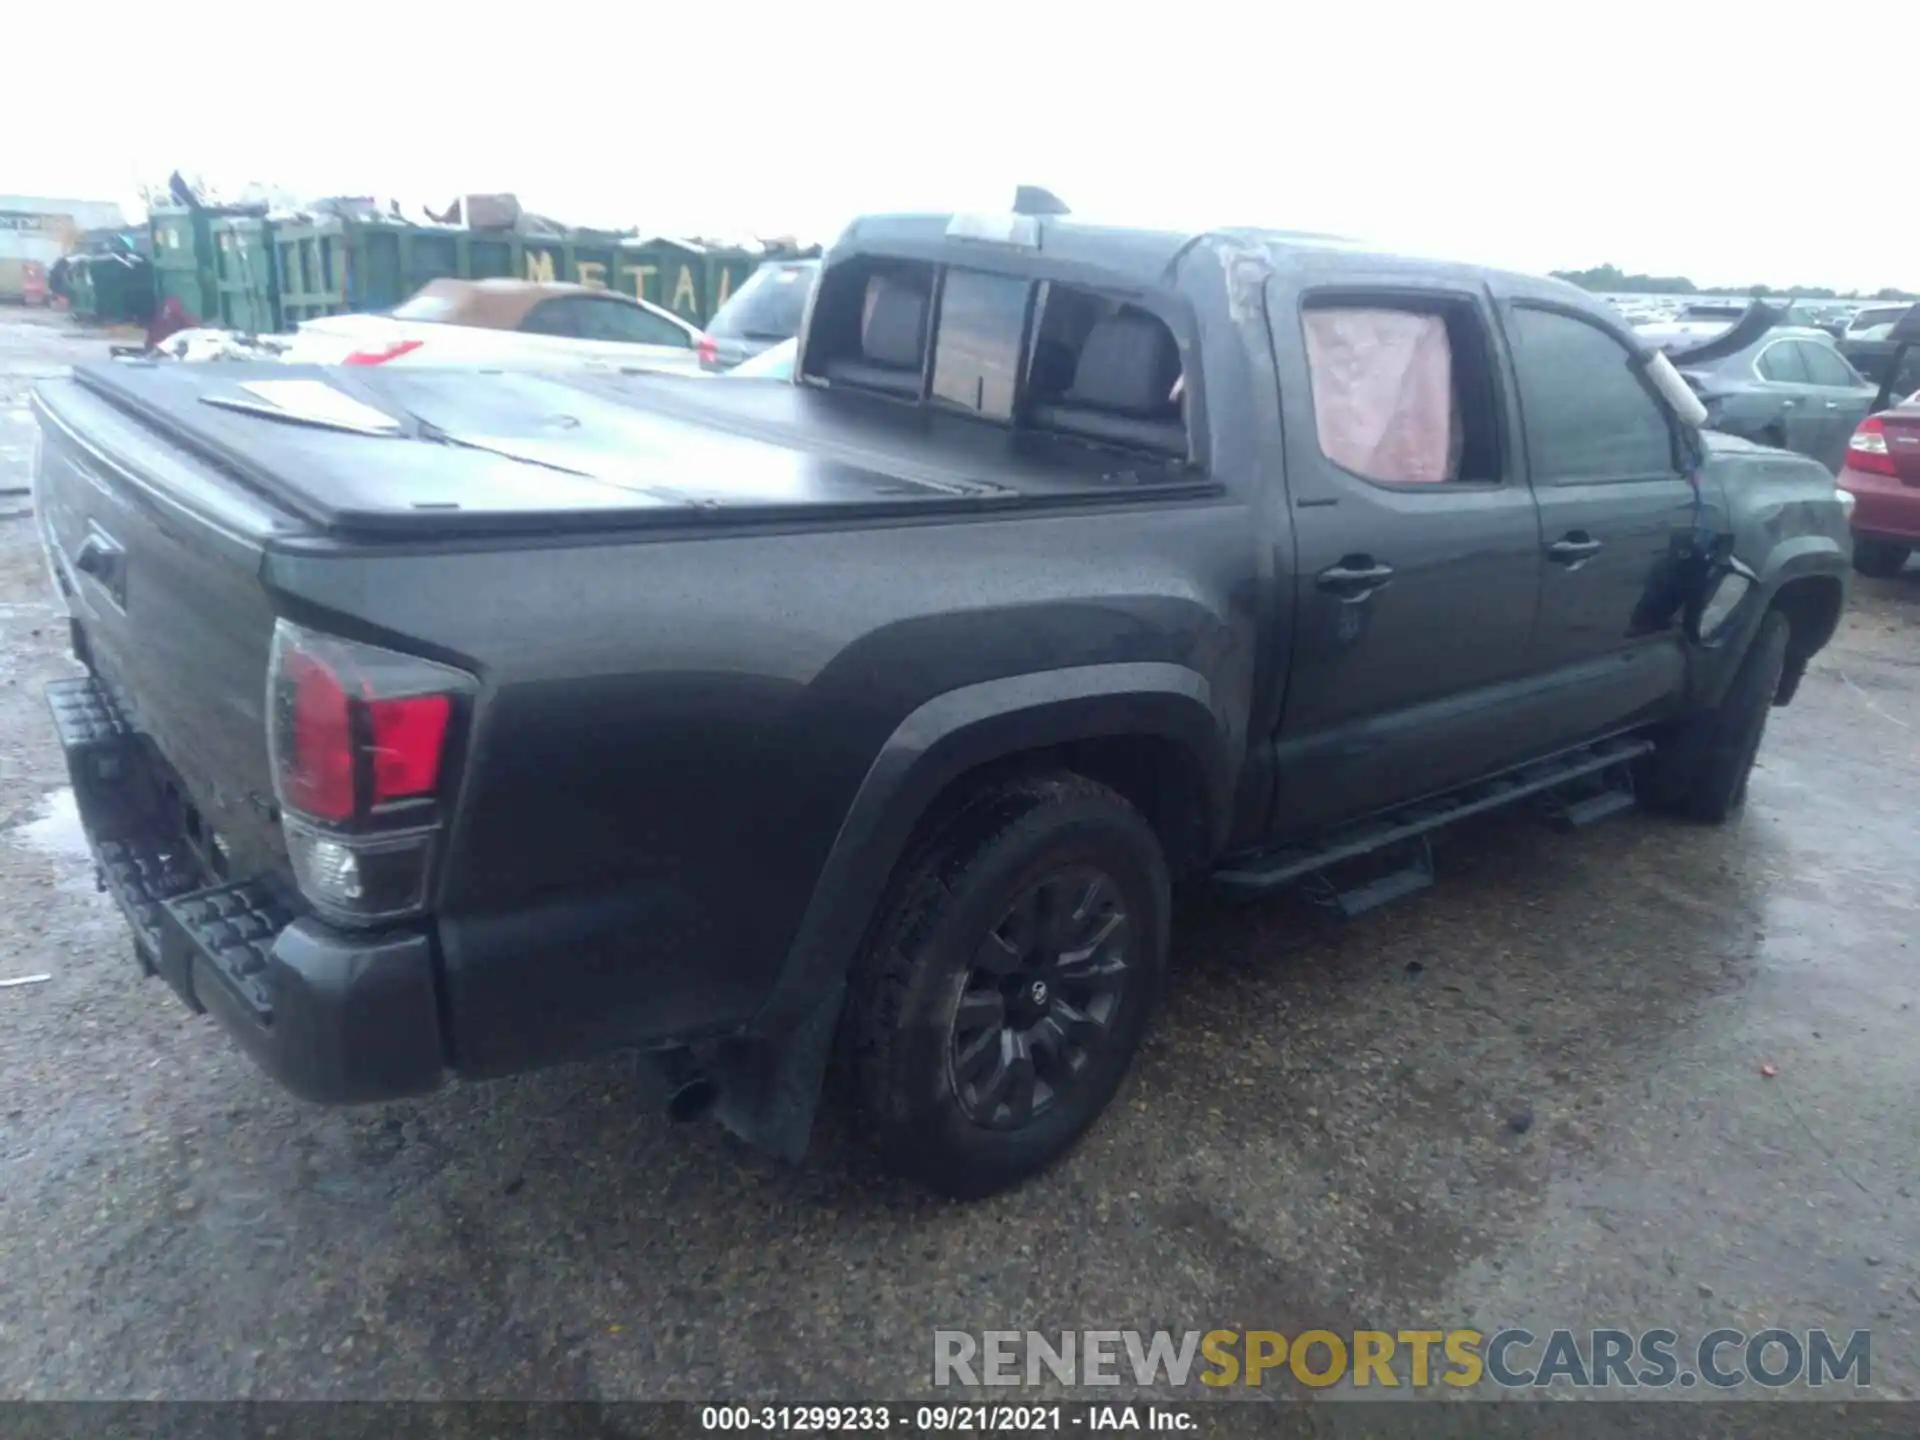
(103, 559)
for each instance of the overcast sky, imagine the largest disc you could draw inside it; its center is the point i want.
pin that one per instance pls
(1728, 143)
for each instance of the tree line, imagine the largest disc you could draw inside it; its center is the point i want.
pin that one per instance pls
(1610, 279)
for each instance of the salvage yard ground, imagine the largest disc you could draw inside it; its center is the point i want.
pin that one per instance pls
(1534, 1095)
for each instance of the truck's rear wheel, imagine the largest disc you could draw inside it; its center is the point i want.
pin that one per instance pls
(1700, 769)
(1879, 559)
(1008, 983)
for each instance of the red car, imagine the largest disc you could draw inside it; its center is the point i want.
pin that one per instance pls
(1882, 473)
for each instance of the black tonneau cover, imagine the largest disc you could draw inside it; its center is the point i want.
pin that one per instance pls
(477, 450)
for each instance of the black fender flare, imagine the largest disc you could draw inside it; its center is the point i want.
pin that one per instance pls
(1797, 558)
(962, 730)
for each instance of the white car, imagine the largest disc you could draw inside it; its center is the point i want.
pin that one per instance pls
(1875, 322)
(504, 325)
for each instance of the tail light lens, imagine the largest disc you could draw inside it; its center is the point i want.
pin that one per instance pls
(360, 740)
(709, 349)
(385, 353)
(1867, 450)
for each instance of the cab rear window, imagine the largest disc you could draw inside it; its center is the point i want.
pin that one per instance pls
(1070, 361)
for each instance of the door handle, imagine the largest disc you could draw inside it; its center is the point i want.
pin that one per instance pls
(1788, 404)
(1354, 578)
(1833, 404)
(1572, 549)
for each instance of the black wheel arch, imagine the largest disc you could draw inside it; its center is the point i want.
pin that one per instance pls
(1807, 580)
(1152, 731)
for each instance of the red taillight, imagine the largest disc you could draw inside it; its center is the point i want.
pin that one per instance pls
(709, 349)
(359, 739)
(384, 354)
(316, 770)
(1867, 450)
(408, 736)
(356, 727)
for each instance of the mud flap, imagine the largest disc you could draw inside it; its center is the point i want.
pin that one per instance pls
(770, 1085)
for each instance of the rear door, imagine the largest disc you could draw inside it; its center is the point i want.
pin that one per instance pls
(1795, 415)
(1843, 399)
(1417, 547)
(1617, 510)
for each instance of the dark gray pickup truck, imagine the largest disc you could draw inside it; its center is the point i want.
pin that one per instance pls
(455, 724)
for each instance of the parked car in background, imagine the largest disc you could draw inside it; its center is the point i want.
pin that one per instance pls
(504, 325)
(760, 314)
(1870, 347)
(1875, 322)
(1882, 473)
(773, 364)
(1783, 386)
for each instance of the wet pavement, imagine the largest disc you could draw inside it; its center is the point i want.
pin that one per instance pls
(1533, 1095)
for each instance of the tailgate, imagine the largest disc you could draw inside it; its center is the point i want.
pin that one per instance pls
(157, 557)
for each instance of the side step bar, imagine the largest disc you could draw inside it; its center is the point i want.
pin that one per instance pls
(1609, 789)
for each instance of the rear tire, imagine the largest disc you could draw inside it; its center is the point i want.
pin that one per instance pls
(1007, 984)
(1879, 559)
(1699, 772)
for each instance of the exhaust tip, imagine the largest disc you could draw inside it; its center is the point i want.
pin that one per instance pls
(690, 1092)
(691, 1099)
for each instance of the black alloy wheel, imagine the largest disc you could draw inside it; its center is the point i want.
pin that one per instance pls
(1040, 998)
(1007, 981)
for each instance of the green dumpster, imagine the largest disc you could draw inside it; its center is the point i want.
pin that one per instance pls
(82, 304)
(332, 265)
(183, 266)
(579, 257)
(120, 288)
(246, 295)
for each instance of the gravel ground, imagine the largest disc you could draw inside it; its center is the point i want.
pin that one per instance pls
(1532, 1095)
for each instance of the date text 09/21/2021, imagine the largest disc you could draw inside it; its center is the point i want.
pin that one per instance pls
(940, 1419)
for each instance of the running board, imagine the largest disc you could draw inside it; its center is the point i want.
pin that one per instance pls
(1605, 764)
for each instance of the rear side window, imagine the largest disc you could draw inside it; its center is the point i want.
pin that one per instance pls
(1588, 415)
(559, 317)
(1782, 362)
(624, 324)
(1826, 367)
(976, 352)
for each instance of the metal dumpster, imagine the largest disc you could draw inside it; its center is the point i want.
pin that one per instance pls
(183, 260)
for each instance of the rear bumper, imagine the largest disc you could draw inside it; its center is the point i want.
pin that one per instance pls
(333, 1016)
(1884, 506)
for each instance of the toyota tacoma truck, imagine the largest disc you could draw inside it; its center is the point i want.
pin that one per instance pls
(453, 724)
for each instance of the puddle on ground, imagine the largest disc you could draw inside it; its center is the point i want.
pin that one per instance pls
(58, 831)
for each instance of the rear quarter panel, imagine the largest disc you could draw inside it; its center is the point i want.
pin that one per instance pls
(672, 730)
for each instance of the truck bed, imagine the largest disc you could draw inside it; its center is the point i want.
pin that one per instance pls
(475, 452)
